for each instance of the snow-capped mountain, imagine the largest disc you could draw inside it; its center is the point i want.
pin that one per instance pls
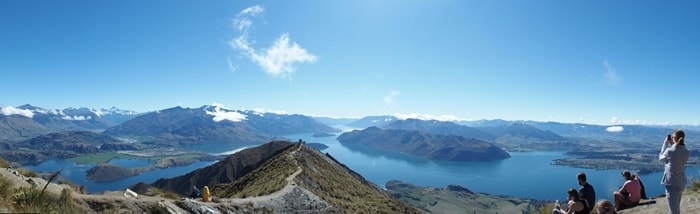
(29, 121)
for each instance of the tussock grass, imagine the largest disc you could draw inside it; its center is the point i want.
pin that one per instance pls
(694, 183)
(266, 179)
(153, 191)
(547, 208)
(30, 200)
(27, 173)
(4, 163)
(334, 184)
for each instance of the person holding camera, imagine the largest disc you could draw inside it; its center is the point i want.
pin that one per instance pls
(674, 155)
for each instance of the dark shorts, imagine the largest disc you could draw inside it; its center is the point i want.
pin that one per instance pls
(627, 203)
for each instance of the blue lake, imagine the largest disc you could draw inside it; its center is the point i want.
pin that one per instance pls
(524, 175)
(76, 173)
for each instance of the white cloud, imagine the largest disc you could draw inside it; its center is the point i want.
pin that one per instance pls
(429, 117)
(615, 129)
(614, 120)
(261, 111)
(610, 75)
(76, 117)
(221, 114)
(242, 21)
(231, 66)
(277, 60)
(389, 98)
(10, 110)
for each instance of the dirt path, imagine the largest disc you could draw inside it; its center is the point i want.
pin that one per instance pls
(285, 190)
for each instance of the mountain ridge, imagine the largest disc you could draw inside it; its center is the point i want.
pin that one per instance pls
(438, 147)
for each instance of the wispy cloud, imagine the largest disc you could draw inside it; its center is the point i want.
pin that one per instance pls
(10, 110)
(231, 66)
(389, 98)
(279, 59)
(261, 111)
(76, 117)
(610, 74)
(617, 121)
(428, 117)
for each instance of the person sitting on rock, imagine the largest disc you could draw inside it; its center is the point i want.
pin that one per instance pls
(195, 192)
(629, 194)
(575, 205)
(643, 192)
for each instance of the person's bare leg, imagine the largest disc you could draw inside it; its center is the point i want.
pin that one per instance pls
(618, 200)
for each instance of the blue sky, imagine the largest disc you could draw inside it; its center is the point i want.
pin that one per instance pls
(602, 62)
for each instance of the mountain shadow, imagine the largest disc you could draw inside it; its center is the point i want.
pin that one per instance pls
(224, 171)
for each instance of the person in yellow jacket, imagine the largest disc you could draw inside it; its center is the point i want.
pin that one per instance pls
(206, 195)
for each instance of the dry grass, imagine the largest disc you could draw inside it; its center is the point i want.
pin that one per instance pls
(27, 173)
(4, 163)
(341, 189)
(694, 183)
(30, 200)
(266, 179)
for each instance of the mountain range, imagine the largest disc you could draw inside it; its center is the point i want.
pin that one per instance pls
(212, 124)
(29, 121)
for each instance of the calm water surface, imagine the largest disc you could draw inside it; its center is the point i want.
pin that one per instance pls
(525, 174)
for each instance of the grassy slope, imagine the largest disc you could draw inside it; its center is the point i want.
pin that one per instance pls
(320, 175)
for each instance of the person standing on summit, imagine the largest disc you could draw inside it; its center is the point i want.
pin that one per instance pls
(586, 191)
(674, 158)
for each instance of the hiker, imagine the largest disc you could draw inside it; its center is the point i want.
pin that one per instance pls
(674, 158)
(629, 194)
(195, 192)
(575, 204)
(586, 192)
(604, 207)
(206, 195)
